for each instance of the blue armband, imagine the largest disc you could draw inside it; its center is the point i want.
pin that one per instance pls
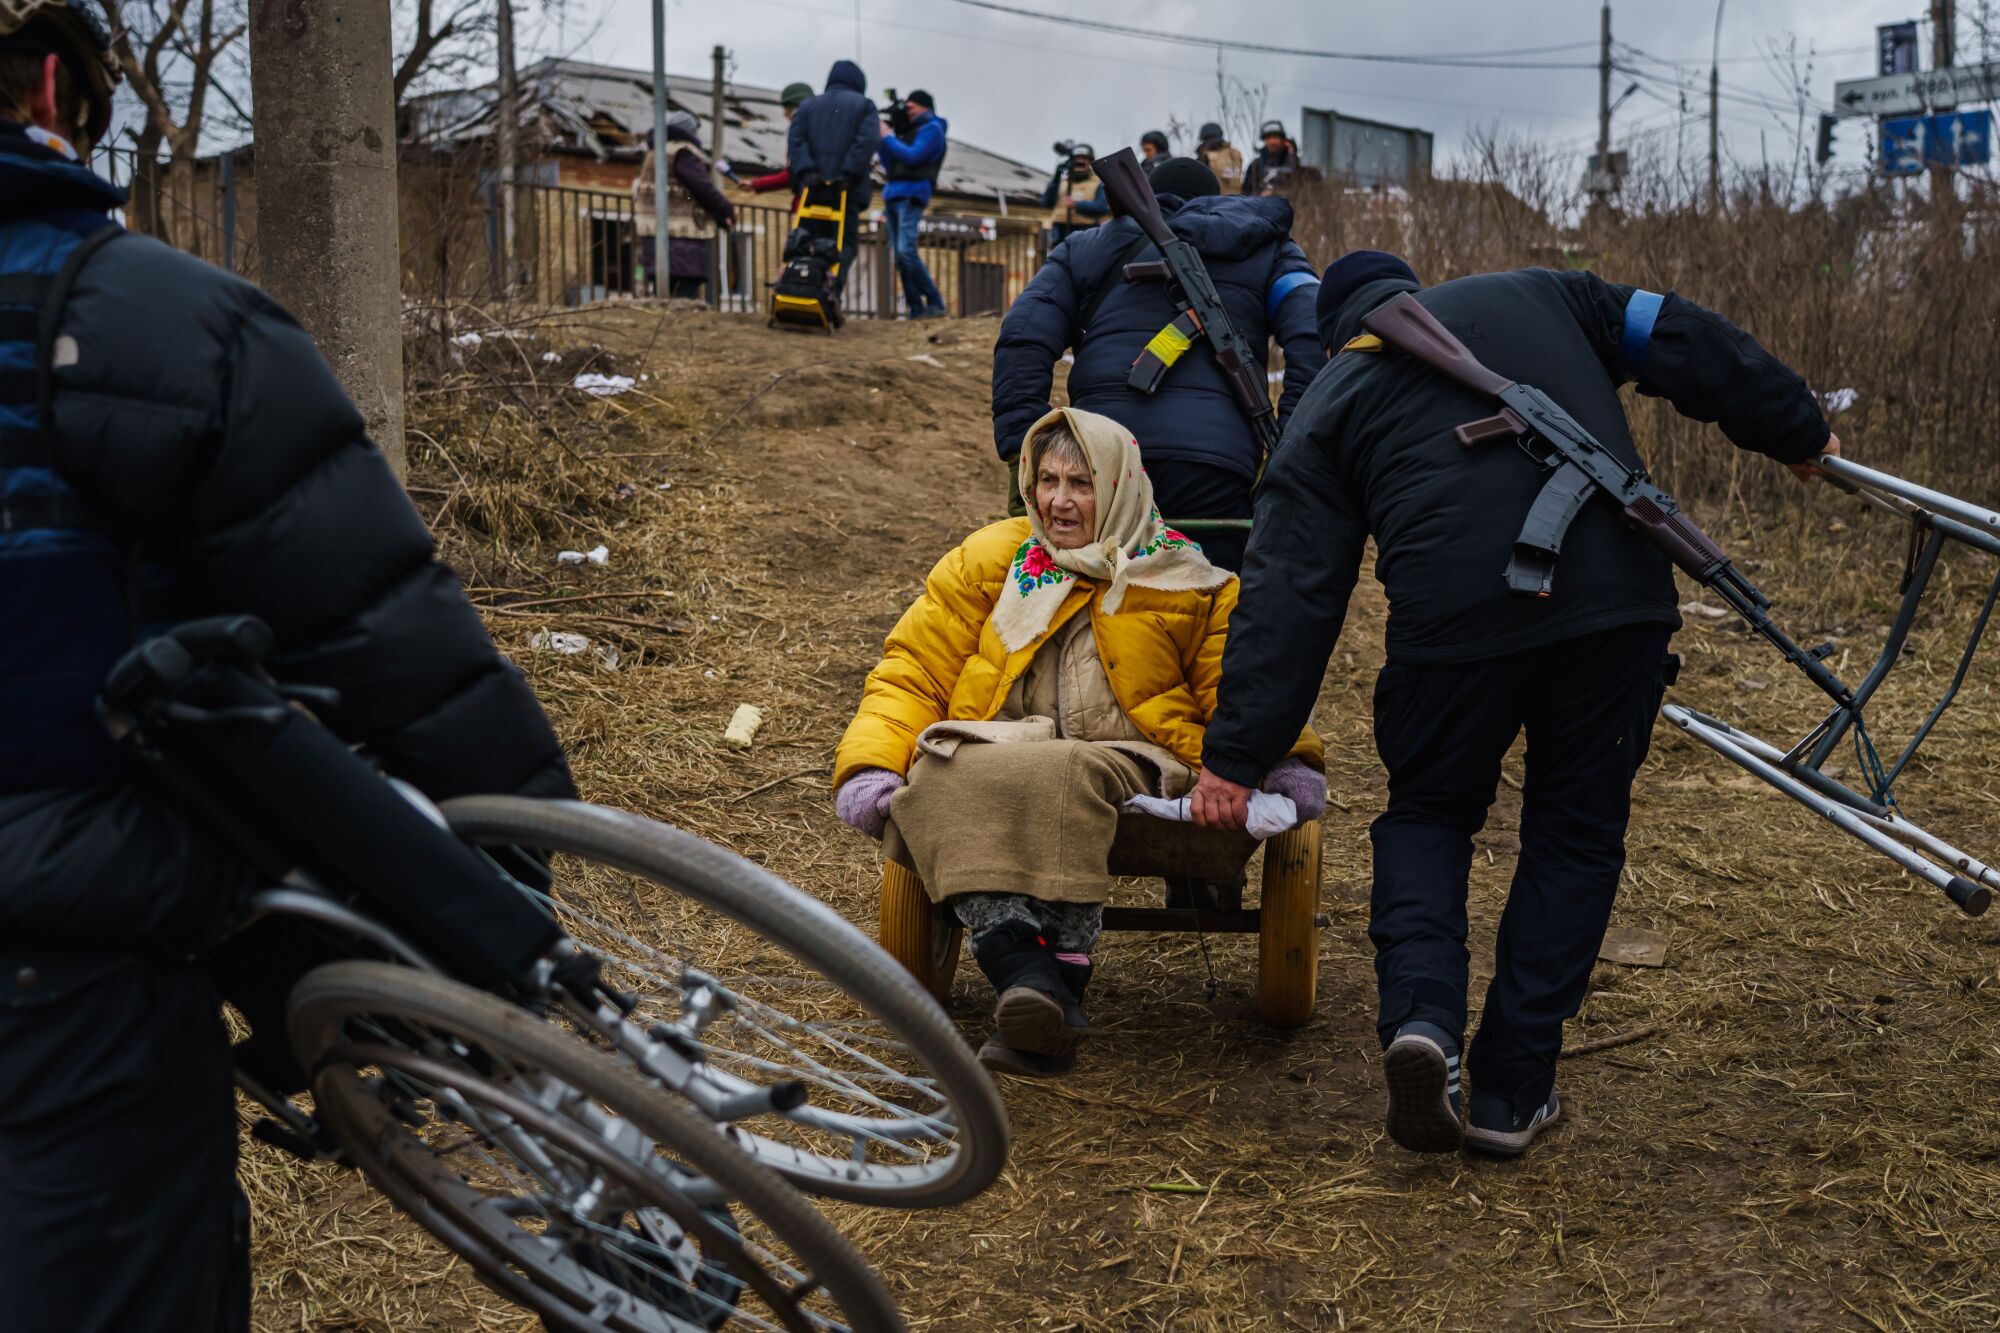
(1640, 314)
(1283, 287)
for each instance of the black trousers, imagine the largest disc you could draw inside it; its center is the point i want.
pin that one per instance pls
(119, 1209)
(1187, 491)
(1587, 705)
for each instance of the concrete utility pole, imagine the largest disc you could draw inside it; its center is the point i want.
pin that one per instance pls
(325, 127)
(1944, 50)
(507, 125)
(661, 245)
(1715, 115)
(721, 58)
(1600, 181)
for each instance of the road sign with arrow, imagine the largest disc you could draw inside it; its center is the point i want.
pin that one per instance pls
(1918, 91)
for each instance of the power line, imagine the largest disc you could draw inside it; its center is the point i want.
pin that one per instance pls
(1458, 60)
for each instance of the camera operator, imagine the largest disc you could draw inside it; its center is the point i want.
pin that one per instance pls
(1074, 193)
(913, 148)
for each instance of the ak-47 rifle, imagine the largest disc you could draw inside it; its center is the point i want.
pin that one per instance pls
(1202, 314)
(1582, 467)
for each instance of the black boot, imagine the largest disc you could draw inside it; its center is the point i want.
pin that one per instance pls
(1032, 1033)
(1075, 978)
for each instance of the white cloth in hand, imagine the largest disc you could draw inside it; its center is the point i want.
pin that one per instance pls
(1270, 814)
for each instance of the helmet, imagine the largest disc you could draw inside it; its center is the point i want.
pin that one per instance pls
(1155, 138)
(1211, 130)
(1270, 128)
(684, 121)
(72, 30)
(1082, 150)
(795, 94)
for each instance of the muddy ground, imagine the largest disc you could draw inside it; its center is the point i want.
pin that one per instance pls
(1805, 1135)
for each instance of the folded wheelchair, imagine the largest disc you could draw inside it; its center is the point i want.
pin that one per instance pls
(588, 1052)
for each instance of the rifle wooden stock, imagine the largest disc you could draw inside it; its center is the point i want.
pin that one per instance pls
(1129, 192)
(1409, 328)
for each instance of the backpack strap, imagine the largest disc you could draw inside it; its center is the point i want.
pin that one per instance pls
(48, 294)
(1112, 277)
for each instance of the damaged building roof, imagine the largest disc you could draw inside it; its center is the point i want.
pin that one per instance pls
(605, 111)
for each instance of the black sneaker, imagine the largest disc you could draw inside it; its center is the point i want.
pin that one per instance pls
(1421, 1066)
(1494, 1126)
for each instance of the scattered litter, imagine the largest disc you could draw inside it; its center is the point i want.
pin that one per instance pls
(708, 674)
(1840, 400)
(468, 340)
(1704, 610)
(569, 645)
(742, 728)
(944, 339)
(623, 491)
(596, 555)
(558, 641)
(927, 359)
(644, 377)
(1754, 686)
(1634, 947)
(603, 386)
(664, 486)
(551, 356)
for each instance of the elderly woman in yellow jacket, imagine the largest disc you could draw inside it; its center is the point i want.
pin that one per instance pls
(1054, 667)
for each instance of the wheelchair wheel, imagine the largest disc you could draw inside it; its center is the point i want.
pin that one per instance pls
(568, 1183)
(756, 987)
(1288, 936)
(919, 934)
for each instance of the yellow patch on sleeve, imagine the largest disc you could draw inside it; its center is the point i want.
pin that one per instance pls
(1168, 344)
(1363, 342)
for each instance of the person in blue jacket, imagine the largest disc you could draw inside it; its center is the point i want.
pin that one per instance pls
(832, 140)
(1199, 448)
(911, 160)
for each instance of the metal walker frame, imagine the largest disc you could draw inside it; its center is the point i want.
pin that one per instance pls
(1873, 816)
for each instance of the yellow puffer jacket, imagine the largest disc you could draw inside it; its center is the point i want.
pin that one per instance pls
(1162, 653)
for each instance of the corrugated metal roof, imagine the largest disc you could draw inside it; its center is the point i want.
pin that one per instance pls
(605, 110)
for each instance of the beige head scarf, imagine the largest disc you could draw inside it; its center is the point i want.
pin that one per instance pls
(1132, 546)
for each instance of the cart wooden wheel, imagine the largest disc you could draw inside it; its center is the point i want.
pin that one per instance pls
(1287, 936)
(918, 933)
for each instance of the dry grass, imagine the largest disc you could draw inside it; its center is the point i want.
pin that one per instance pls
(1808, 1140)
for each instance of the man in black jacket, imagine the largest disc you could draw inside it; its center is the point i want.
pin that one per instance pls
(1370, 451)
(833, 139)
(193, 432)
(1198, 446)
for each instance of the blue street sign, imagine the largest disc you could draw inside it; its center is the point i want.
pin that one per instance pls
(1896, 44)
(1910, 144)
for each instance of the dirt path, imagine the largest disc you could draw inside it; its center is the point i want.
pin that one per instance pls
(1811, 1139)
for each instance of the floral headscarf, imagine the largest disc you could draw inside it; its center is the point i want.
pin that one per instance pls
(1133, 547)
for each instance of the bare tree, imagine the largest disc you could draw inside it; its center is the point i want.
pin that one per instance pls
(168, 50)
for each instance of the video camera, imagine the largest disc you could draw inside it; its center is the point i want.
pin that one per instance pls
(898, 114)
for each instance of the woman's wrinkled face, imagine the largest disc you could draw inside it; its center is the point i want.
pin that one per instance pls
(1066, 501)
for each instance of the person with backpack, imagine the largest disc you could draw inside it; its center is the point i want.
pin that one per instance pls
(832, 143)
(1221, 157)
(1200, 450)
(172, 446)
(911, 158)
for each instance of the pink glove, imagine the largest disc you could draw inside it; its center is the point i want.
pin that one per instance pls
(1306, 787)
(863, 800)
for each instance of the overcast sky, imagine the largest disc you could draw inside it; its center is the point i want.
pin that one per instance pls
(1016, 84)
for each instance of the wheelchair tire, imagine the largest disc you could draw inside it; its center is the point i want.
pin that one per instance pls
(918, 933)
(1288, 934)
(751, 924)
(502, 1047)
